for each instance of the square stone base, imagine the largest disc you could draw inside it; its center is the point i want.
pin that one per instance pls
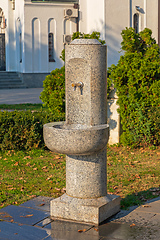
(85, 210)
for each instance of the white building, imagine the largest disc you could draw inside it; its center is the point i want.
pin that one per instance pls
(33, 32)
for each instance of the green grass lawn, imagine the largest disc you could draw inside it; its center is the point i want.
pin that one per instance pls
(132, 174)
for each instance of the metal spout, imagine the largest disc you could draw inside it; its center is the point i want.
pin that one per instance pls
(79, 84)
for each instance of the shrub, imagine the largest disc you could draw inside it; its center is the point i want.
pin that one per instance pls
(53, 94)
(21, 130)
(137, 80)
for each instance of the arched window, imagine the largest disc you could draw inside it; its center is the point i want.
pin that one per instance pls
(51, 47)
(136, 22)
(20, 47)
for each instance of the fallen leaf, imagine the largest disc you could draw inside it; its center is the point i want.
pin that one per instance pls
(58, 189)
(132, 225)
(49, 177)
(5, 215)
(96, 229)
(137, 176)
(27, 157)
(146, 206)
(16, 164)
(27, 216)
(44, 167)
(32, 196)
(82, 230)
(136, 162)
(42, 204)
(35, 168)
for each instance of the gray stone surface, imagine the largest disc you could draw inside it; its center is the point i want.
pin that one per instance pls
(18, 96)
(17, 231)
(68, 230)
(86, 175)
(89, 210)
(33, 80)
(38, 203)
(74, 139)
(21, 215)
(86, 63)
(85, 41)
(83, 136)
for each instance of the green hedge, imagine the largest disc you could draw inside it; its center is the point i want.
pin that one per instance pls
(22, 130)
(137, 80)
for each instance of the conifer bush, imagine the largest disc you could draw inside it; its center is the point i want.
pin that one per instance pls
(137, 80)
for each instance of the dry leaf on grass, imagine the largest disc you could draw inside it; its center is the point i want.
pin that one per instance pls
(27, 157)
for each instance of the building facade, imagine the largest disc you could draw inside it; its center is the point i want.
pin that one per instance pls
(33, 33)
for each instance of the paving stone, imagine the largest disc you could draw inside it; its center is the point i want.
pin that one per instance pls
(44, 222)
(39, 203)
(147, 225)
(141, 218)
(124, 231)
(14, 231)
(150, 207)
(22, 215)
(63, 230)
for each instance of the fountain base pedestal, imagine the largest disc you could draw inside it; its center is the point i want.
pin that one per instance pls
(84, 210)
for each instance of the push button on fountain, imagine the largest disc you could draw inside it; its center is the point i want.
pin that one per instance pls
(80, 85)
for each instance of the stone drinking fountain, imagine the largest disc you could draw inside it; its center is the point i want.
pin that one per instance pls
(83, 136)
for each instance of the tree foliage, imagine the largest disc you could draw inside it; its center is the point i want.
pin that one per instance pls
(137, 80)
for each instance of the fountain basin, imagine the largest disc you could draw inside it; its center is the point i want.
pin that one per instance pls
(75, 139)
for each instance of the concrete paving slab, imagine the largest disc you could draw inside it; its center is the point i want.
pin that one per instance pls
(63, 230)
(127, 225)
(126, 231)
(22, 215)
(150, 207)
(141, 218)
(21, 95)
(45, 222)
(14, 231)
(38, 203)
